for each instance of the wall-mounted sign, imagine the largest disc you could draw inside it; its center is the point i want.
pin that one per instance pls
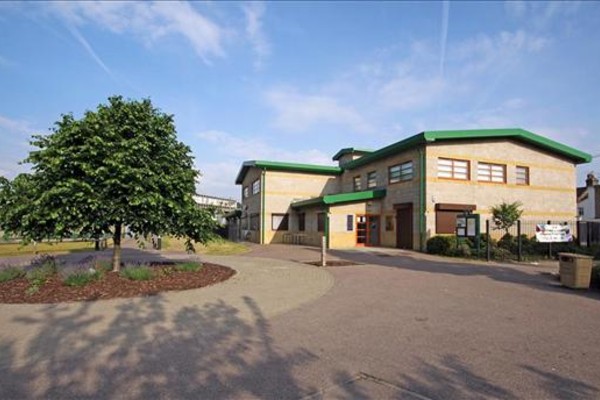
(553, 233)
(467, 225)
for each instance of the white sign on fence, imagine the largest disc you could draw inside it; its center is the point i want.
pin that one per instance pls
(552, 233)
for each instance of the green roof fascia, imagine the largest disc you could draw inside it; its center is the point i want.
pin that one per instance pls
(512, 133)
(341, 198)
(283, 166)
(350, 150)
(387, 151)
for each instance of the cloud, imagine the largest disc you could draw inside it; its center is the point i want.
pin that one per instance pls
(149, 22)
(254, 13)
(296, 112)
(15, 126)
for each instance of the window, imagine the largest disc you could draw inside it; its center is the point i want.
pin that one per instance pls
(321, 222)
(254, 225)
(522, 175)
(349, 223)
(445, 216)
(279, 222)
(302, 222)
(356, 184)
(400, 172)
(256, 186)
(372, 179)
(246, 191)
(453, 169)
(389, 223)
(580, 211)
(491, 172)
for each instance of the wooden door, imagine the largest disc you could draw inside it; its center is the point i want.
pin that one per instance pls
(404, 226)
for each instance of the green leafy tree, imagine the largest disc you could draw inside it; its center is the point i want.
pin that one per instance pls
(120, 165)
(505, 215)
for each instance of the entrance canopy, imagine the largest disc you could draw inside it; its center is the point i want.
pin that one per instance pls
(341, 198)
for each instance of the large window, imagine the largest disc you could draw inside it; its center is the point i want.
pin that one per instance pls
(445, 216)
(522, 175)
(453, 169)
(279, 222)
(246, 192)
(256, 186)
(321, 222)
(372, 179)
(356, 184)
(491, 172)
(302, 222)
(400, 172)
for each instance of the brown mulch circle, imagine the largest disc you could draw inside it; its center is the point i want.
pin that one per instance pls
(335, 263)
(113, 285)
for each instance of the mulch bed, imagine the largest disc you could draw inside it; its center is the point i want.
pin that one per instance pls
(112, 285)
(334, 263)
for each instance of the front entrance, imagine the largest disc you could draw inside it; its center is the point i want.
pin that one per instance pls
(404, 226)
(367, 230)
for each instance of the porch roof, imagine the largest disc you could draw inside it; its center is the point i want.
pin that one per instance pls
(341, 198)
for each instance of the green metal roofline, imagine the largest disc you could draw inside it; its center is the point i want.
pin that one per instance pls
(350, 150)
(521, 135)
(333, 199)
(283, 166)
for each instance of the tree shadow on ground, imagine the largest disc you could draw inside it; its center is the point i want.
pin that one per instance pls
(451, 378)
(148, 350)
(536, 279)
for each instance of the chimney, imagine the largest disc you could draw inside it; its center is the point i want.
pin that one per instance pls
(591, 180)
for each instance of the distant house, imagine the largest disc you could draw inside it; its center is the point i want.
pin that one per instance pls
(404, 193)
(588, 199)
(221, 206)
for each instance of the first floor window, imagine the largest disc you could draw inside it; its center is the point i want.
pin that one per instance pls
(321, 222)
(356, 184)
(279, 222)
(246, 192)
(301, 222)
(256, 186)
(491, 172)
(400, 172)
(349, 223)
(453, 169)
(372, 179)
(522, 175)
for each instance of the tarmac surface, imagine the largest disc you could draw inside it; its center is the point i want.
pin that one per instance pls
(401, 325)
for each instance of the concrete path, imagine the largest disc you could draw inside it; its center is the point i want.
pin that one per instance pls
(401, 325)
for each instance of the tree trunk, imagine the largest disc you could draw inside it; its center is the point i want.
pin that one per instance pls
(116, 259)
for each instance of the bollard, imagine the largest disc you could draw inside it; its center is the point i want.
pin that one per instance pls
(323, 251)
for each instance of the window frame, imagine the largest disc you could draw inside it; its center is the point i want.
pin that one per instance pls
(246, 192)
(527, 175)
(355, 180)
(350, 223)
(256, 187)
(401, 177)
(285, 220)
(453, 168)
(370, 180)
(491, 172)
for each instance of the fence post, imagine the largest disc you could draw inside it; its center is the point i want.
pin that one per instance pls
(488, 248)
(323, 251)
(549, 245)
(520, 242)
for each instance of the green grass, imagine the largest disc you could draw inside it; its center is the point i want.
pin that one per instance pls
(18, 249)
(41, 273)
(82, 278)
(189, 267)
(10, 273)
(139, 273)
(219, 247)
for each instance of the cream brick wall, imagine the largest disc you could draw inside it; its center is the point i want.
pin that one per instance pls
(550, 194)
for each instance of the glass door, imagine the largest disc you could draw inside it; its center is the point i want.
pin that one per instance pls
(361, 230)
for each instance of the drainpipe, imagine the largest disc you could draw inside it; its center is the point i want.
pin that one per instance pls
(327, 226)
(262, 205)
(423, 203)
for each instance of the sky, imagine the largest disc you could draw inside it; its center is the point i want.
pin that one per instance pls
(297, 81)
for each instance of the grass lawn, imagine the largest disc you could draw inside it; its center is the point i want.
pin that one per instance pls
(17, 249)
(219, 247)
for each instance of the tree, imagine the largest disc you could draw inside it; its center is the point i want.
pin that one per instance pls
(120, 165)
(505, 215)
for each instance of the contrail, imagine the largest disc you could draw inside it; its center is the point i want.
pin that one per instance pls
(75, 32)
(444, 34)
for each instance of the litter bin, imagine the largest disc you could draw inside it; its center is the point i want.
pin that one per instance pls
(575, 270)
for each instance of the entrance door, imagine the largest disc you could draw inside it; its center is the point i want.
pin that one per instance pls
(404, 226)
(367, 230)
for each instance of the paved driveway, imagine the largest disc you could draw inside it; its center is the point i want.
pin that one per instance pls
(401, 325)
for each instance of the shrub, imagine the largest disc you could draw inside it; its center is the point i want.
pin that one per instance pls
(442, 245)
(463, 250)
(189, 267)
(41, 273)
(138, 273)
(45, 262)
(10, 273)
(82, 278)
(499, 253)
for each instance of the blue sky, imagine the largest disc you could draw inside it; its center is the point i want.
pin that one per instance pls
(296, 81)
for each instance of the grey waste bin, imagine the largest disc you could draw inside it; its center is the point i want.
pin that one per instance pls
(575, 270)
